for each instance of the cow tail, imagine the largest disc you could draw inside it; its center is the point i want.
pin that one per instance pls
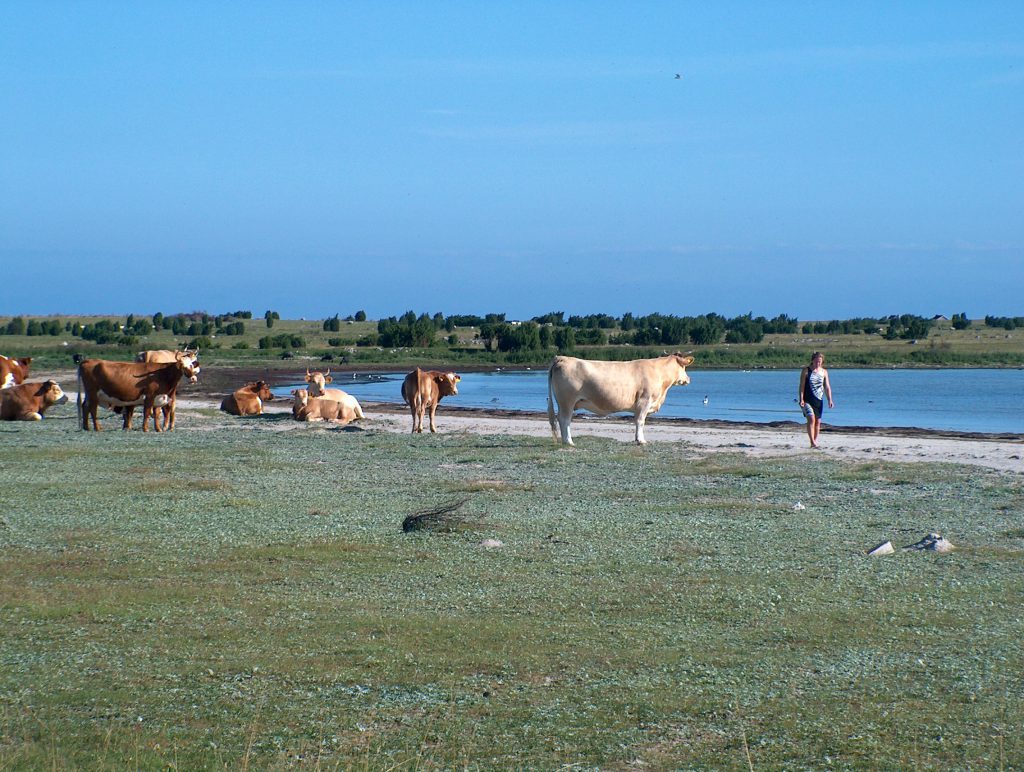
(79, 399)
(551, 404)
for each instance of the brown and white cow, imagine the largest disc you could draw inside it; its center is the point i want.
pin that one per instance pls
(166, 356)
(308, 408)
(129, 384)
(13, 371)
(318, 388)
(247, 400)
(28, 401)
(638, 386)
(423, 389)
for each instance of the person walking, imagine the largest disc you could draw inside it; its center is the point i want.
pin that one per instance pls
(813, 391)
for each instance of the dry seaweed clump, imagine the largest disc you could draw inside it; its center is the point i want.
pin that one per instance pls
(445, 518)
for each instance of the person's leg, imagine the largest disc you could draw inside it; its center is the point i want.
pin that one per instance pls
(811, 431)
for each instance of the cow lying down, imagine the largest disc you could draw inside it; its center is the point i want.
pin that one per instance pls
(307, 408)
(248, 400)
(28, 401)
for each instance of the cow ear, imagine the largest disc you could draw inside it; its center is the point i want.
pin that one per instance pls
(686, 361)
(308, 376)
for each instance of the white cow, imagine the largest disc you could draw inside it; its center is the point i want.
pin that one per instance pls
(638, 387)
(318, 388)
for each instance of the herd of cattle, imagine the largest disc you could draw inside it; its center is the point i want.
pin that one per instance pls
(638, 386)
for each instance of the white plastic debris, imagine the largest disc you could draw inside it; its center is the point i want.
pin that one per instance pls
(799, 507)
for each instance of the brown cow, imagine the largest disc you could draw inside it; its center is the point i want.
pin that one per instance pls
(248, 400)
(307, 408)
(13, 371)
(165, 356)
(638, 386)
(128, 384)
(423, 389)
(28, 401)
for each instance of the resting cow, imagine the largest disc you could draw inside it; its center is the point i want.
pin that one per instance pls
(318, 388)
(13, 371)
(248, 400)
(28, 401)
(638, 387)
(423, 389)
(307, 408)
(129, 384)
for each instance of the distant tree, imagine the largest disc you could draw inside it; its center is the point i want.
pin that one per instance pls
(556, 318)
(564, 339)
(158, 320)
(961, 322)
(360, 316)
(546, 337)
(269, 317)
(333, 324)
(16, 326)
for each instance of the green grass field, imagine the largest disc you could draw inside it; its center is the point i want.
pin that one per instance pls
(239, 595)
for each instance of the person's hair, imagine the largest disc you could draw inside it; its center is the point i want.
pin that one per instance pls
(818, 354)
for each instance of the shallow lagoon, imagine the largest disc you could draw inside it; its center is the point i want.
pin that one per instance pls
(970, 400)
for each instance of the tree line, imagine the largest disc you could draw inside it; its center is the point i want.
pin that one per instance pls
(496, 333)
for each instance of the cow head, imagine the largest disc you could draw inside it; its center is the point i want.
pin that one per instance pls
(51, 393)
(300, 400)
(447, 384)
(189, 364)
(682, 379)
(262, 390)
(318, 382)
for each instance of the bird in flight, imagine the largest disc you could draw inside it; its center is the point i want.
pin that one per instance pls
(678, 76)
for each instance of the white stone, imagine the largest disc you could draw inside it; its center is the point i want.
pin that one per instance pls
(885, 548)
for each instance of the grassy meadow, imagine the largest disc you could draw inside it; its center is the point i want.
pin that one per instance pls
(240, 593)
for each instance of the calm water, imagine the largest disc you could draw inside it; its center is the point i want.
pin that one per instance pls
(960, 400)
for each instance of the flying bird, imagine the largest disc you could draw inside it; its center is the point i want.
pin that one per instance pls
(678, 76)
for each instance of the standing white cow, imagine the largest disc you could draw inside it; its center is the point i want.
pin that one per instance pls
(638, 387)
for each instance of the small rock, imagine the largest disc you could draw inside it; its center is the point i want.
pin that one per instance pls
(799, 507)
(885, 548)
(491, 544)
(933, 542)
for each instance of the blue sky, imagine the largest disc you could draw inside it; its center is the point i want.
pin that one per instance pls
(823, 160)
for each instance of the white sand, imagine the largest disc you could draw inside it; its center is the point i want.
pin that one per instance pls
(1004, 455)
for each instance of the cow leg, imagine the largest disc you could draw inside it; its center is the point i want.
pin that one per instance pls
(433, 410)
(564, 420)
(90, 409)
(127, 413)
(169, 414)
(641, 419)
(417, 425)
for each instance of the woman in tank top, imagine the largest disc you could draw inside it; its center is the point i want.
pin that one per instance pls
(813, 391)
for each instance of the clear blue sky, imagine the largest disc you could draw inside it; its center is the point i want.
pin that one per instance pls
(824, 160)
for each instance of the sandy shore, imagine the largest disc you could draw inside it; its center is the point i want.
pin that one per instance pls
(761, 442)
(1000, 452)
